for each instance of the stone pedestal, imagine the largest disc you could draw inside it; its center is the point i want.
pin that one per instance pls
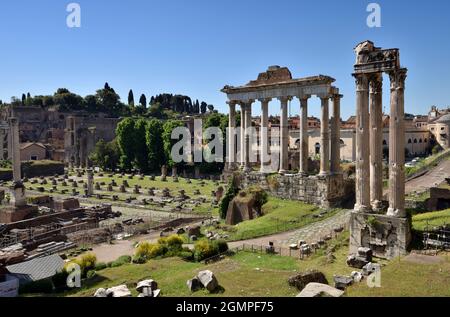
(14, 214)
(388, 237)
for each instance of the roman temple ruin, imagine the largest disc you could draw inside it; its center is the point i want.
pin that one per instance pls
(388, 235)
(327, 188)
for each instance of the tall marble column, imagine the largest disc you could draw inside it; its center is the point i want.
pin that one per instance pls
(336, 135)
(397, 145)
(376, 141)
(242, 136)
(284, 136)
(304, 146)
(248, 136)
(2, 144)
(325, 137)
(15, 149)
(264, 134)
(232, 136)
(362, 144)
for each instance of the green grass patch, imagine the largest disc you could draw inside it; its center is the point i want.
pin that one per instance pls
(279, 216)
(433, 219)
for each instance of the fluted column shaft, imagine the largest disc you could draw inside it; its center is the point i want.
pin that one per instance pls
(242, 136)
(232, 135)
(248, 145)
(336, 135)
(376, 141)
(325, 137)
(362, 144)
(264, 135)
(284, 136)
(397, 145)
(15, 149)
(304, 148)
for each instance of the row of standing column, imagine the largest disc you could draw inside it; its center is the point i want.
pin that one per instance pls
(329, 155)
(369, 130)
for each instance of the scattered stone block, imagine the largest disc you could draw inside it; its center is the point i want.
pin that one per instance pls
(194, 284)
(356, 262)
(320, 290)
(208, 280)
(301, 280)
(342, 282)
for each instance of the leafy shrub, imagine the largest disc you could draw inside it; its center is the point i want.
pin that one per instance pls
(187, 255)
(125, 259)
(139, 259)
(100, 266)
(220, 246)
(87, 262)
(91, 274)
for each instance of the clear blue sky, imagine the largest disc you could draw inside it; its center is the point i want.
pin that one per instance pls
(195, 47)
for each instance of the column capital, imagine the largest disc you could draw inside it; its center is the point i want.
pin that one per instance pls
(398, 78)
(285, 99)
(362, 81)
(303, 97)
(265, 100)
(232, 103)
(336, 96)
(376, 83)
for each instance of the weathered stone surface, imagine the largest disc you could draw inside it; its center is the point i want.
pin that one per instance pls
(356, 262)
(194, 231)
(371, 268)
(194, 284)
(357, 276)
(146, 283)
(208, 280)
(342, 282)
(365, 253)
(118, 291)
(101, 292)
(240, 209)
(320, 290)
(301, 280)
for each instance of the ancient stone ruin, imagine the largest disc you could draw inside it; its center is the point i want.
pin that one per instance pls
(388, 235)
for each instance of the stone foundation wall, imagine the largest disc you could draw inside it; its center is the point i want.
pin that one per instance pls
(388, 237)
(325, 191)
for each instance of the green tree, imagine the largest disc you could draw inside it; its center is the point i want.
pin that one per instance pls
(24, 99)
(67, 101)
(169, 126)
(143, 101)
(131, 98)
(141, 152)
(203, 107)
(106, 155)
(155, 144)
(125, 133)
(108, 101)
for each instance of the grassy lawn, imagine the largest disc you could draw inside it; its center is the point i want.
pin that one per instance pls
(262, 275)
(406, 279)
(279, 216)
(205, 187)
(434, 219)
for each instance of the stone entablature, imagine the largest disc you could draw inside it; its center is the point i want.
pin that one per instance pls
(277, 83)
(325, 191)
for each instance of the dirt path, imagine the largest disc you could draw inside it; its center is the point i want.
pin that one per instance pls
(432, 178)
